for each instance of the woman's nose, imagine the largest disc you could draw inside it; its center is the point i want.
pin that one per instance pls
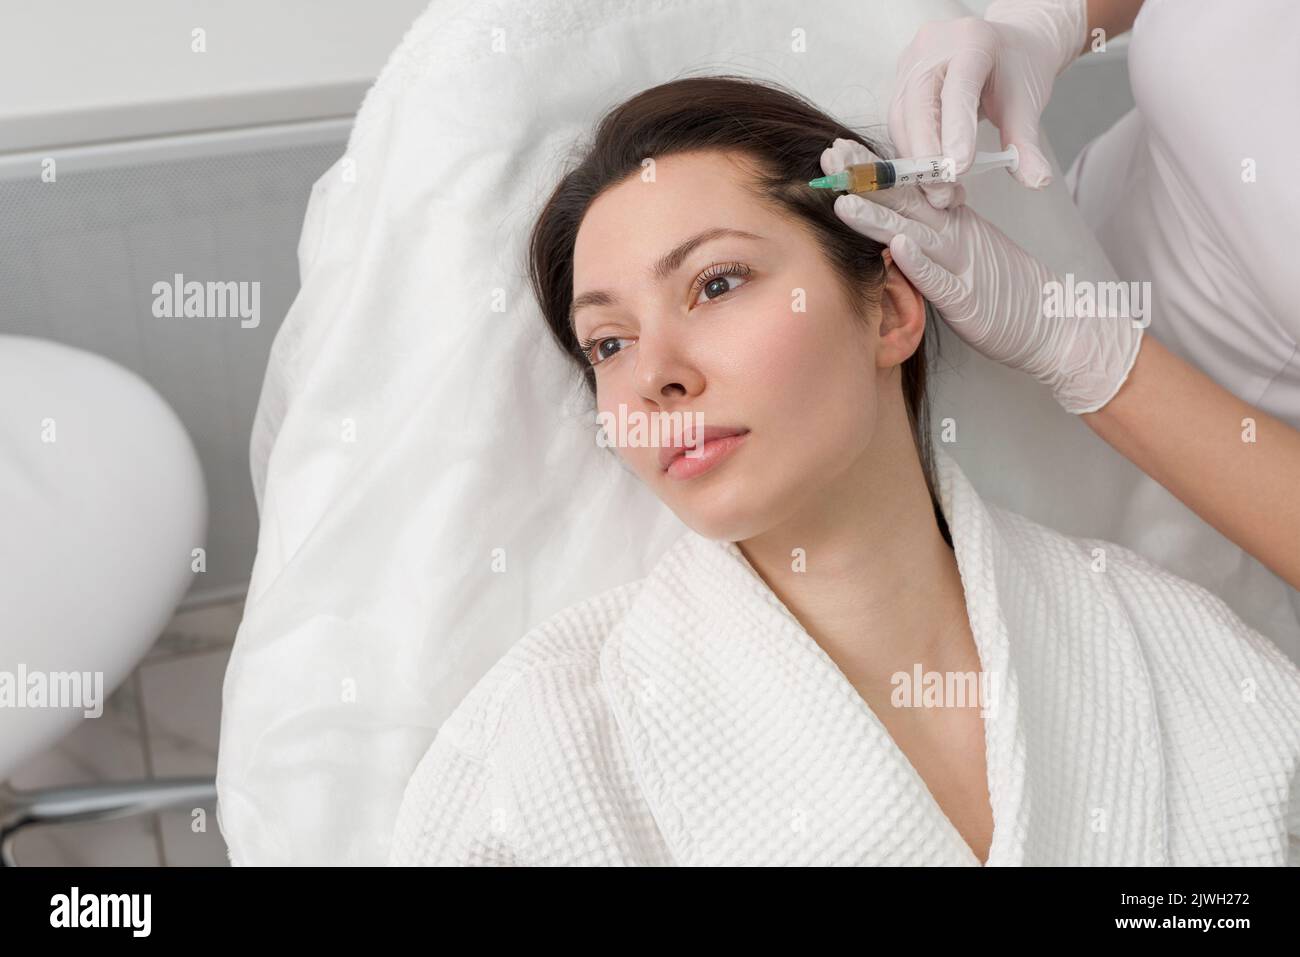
(662, 371)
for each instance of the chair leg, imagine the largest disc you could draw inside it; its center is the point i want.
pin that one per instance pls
(93, 802)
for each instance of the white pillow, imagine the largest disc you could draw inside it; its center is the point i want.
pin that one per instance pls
(408, 431)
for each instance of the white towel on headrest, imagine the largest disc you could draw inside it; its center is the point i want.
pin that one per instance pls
(427, 476)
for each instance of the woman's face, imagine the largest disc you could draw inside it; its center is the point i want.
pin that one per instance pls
(748, 333)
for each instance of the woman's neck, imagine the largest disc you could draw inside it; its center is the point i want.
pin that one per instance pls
(880, 589)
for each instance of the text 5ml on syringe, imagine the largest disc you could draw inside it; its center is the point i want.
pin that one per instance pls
(886, 174)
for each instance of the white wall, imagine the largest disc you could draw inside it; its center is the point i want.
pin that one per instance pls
(77, 71)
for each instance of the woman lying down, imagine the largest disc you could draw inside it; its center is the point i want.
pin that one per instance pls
(786, 685)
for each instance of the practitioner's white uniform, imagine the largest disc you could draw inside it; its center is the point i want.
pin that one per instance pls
(1218, 95)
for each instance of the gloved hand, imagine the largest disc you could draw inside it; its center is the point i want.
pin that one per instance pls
(989, 290)
(1005, 63)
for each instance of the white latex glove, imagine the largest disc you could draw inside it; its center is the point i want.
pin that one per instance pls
(956, 71)
(989, 290)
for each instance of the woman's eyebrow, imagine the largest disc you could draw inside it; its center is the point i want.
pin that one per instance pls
(668, 264)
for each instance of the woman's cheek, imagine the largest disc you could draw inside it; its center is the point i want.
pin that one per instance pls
(817, 367)
(771, 344)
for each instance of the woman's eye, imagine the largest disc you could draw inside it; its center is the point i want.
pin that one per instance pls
(597, 352)
(713, 283)
(716, 281)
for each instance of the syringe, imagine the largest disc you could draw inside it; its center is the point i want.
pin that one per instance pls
(886, 174)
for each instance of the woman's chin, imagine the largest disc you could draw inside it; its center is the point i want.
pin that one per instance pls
(732, 514)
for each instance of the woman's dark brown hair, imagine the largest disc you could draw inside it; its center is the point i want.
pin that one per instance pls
(781, 136)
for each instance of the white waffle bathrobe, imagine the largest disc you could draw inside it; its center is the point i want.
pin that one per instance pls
(688, 718)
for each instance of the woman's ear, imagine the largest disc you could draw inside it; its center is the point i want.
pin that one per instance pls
(902, 319)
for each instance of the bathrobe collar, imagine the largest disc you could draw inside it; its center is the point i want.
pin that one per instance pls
(752, 747)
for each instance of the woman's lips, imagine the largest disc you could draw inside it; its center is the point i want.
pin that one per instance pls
(718, 443)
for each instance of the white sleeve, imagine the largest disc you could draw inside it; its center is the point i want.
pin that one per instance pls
(453, 814)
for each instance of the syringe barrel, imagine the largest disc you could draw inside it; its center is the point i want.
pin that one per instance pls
(922, 169)
(885, 174)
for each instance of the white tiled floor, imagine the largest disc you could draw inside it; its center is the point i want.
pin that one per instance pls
(163, 721)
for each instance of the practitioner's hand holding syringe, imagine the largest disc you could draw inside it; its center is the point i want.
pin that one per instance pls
(988, 289)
